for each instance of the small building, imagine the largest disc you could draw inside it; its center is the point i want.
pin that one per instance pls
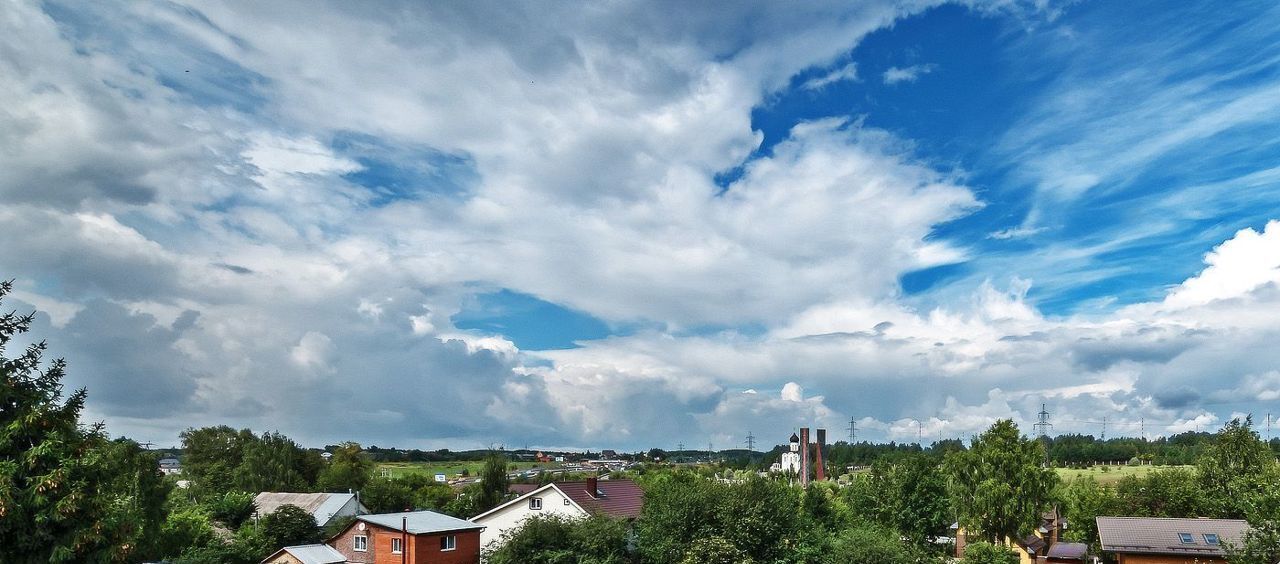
(790, 461)
(1167, 540)
(306, 554)
(415, 537)
(621, 499)
(1067, 553)
(325, 507)
(170, 466)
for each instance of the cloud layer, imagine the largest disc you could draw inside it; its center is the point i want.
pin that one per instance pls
(268, 215)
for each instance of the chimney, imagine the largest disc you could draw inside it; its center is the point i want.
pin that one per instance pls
(593, 487)
(822, 441)
(804, 457)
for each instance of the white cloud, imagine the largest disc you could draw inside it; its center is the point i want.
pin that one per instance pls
(1235, 268)
(848, 72)
(894, 75)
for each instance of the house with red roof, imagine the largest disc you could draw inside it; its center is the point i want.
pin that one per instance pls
(619, 499)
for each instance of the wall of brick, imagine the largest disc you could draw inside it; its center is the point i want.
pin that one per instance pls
(1162, 559)
(345, 543)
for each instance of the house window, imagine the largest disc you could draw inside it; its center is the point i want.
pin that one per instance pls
(395, 546)
(448, 542)
(1211, 538)
(360, 543)
(535, 503)
(1186, 538)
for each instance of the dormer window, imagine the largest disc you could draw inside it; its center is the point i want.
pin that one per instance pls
(1187, 538)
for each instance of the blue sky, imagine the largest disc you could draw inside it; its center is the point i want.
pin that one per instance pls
(647, 224)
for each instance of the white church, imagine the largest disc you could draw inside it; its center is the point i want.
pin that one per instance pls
(790, 460)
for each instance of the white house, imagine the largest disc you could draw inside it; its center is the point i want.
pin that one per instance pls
(621, 499)
(325, 507)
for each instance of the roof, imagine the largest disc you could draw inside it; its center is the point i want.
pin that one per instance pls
(322, 506)
(1033, 544)
(521, 489)
(1161, 535)
(311, 554)
(420, 522)
(1068, 551)
(617, 498)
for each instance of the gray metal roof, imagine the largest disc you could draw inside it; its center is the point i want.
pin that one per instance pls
(419, 522)
(322, 506)
(1162, 535)
(315, 554)
(1068, 551)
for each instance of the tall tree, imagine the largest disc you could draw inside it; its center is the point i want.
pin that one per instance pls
(58, 496)
(493, 481)
(348, 470)
(998, 486)
(1233, 466)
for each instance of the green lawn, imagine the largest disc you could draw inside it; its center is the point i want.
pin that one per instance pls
(1109, 474)
(449, 469)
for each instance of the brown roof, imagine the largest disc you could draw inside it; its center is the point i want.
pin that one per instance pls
(521, 489)
(1162, 535)
(1068, 551)
(617, 498)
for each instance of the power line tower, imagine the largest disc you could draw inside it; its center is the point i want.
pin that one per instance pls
(1268, 426)
(1042, 427)
(1104, 427)
(751, 442)
(679, 447)
(853, 430)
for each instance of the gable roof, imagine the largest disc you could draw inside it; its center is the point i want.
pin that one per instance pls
(1068, 551)
(420, 522)
(613, 498)
(1160, 535)
(311, 554)
(322, 506)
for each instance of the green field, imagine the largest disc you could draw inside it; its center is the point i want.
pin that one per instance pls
(1110, 474)
(449, 469)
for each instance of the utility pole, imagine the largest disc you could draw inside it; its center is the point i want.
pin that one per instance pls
(679, 447)
(1142, 427)
(751, 442)
(1268, 426)
(1104, 427)
(919, 431)
(853, 430)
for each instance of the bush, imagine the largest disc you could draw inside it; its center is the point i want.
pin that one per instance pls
(987, 553)
(555, 539)
(232, 508)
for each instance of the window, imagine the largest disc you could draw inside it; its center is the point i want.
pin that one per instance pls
(395, 546)
(1186, 538)
(535, 503)
(1211, 538)
(360, 543)
(448, 542)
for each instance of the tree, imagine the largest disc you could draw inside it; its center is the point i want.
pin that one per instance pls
(387, 495)
(998, 486)
(715, 550)
(287, 526)
(493, 482)
(211, 456)
(988, 553)
(232, 509)
(60, 497)
(553, 539)
(870, 544)
(1260, 545)
(917, 498)
(1084, 500)
(348, 470)
(1232, 468)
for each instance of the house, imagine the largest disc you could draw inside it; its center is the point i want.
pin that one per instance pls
(325, 507)
(620, 499)
(1166, 540)
(414, 537)
(1067, 553)
(1031, 548)
(306, 554)
(170, 466)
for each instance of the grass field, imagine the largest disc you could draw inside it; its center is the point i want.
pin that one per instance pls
(1109, 474)
(449, 469)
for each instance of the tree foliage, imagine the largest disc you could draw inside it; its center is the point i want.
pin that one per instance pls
(998, 486)
(348, 470)
(988, 553)
(1234, 468)
(66, 493)
(289, 525)
(493, 482)
(556, 539)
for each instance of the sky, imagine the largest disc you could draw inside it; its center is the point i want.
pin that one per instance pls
(642, 224)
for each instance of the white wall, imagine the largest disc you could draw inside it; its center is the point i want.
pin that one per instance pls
(512, 516)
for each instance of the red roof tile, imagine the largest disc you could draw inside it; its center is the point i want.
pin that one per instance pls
(618, 498)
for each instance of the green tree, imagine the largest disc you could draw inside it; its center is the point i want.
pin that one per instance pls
(998, 486)
(287, 526)
(493, 482)
(232, 508)
(387, 495)
(555, 539)
(1260, 545)
(1232, 468)
(917, 498)
(1083, 501)
(988, 553)
(870, 544)
(715, 550)
(60, 482)
(348, 470)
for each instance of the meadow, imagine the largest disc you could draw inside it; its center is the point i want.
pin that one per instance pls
(450, 469)
(1110, 474)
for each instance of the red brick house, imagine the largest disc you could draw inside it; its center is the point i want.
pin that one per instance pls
(415, 537)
